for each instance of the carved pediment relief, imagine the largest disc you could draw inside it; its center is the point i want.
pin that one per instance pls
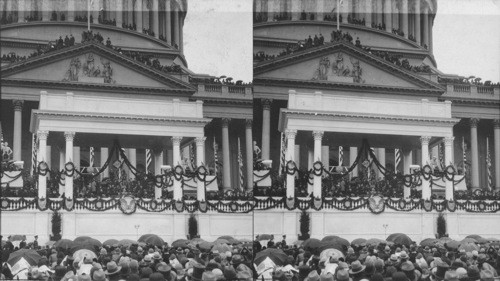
(340, 69)
(91, 70)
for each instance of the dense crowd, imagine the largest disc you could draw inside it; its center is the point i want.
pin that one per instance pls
(382, 261)
(472, 80)
(134, 261)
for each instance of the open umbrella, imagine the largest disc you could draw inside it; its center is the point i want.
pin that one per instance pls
(110, 242)
(265, 268)
(50, 243)
(180, 243)
(469, 240)
(84, 253)
(401, 239)
(91, 242)
(264, 237)
(331, 253)
(196, 241)
(152, 239)
(330, 245)
(452, 244)
(81, 239)
(222, 241)
(64, 244)
(206, 246)
(29, 255)
(83, 247)
(473, 236)
(311, 244)
(230, 239)
(125, 242)
(374, 241)
(276, 255)
(429, 242)
(222, 248)
(336, 239)
(468, 247)
(482, 240)
(358, 241)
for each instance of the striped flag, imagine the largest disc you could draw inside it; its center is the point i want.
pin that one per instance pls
(91, 157)
(191, 156)
(34, 150)
(397, 159)
(488, 165)
(240, 165)
(149, 159)
(341, 156)
(216, 157)
(283, 154)
(464, 152)
(441, 154)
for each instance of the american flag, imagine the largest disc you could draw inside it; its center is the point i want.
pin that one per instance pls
(92, 155)
(397, 159)
(283, 153)
(216, 157)
(191, 156)
(464, 151)
(34, 150)
(341, 156)
(149, 159)
(488, 165)
(240, 165)
(441, 154)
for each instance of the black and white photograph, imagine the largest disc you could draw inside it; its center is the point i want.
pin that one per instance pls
(239, 140)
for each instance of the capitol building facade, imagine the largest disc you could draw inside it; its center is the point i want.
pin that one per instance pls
(347, 118)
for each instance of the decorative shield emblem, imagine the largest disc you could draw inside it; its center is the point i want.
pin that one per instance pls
(317, 202)
(290, 203)
(376, 204)
(203, 206)
(427, 205)
(42, 204)
(481, 206)
(98, 204)
(402, 204)
(127, 205)
(233, 206)
(153, 205)
(6, 204)
(69, 204)
(347, 204)
(179, 206)
(452, 206)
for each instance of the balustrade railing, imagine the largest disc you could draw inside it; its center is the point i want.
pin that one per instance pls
(461, 88)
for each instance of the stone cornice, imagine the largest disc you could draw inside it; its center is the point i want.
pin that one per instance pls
(350, 49)
(328, 85)
(220, 101)
(481, 102)
(101, 50)
(91, 87)
(366, 117)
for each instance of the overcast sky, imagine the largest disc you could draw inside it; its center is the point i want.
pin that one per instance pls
(218, 38)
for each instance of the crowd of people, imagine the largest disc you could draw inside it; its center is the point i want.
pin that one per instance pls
(384, 262)
(134, 261)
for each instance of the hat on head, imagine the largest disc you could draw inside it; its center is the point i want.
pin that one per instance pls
(350, 250)
(156, 277)
(99, 275)
(407, 266)
(462, 273)
(237, 259)
(146, 271)
(303, 271)
(198, 270)
(112, 268)
(164, 268)
(441, 269)
(326, 277)
(403, 255)
(487, 275)
(473, 273)
(451, 275)
(394, 258)
(134, 266)
(356, 267)
(343, 275)
(229, 273)
(84, 277)
(379, 265)
(343, 265)
(218, 273)
(157, 256)
(147, 259)
(399, 276)
(60, 271)
(312, 276)
(151, 251)
(369, 266)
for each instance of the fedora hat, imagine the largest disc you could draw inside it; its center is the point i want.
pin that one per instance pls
(487, 275)
(112, 268)
(198, 270)
(343, 275)
(473, 273)
(312, 276)
(99, 275)
(441, 269)
(451, 275)
(208, 276)
(356, 267)
(236, 259)
(326, 277)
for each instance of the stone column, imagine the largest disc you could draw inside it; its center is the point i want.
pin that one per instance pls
(344, 11)
(425, 28)
(496, 140)
(320, 9)
(290, 155)
(156, 19)
(104, 157)
(200, 161)
(45, 10)
(381, 159)
(76, 157)
(426, 187)
(353, 153)
(407, 161)
(404, 17)
(130, 12)
(176, 39)
(119, 13)
(48, 158)
(417, 21)
(42, 157)
(18, 129)
(71, 10)
(380, 12)
(270, 10)
(68, 188)
(368, 13)
(249, 153)
(138, 15)
(474, 152)
(296, 5)
(62, 162)
(388, 15)
(176, 144)
(95, 10)
(266, 128)
(132, 158)
(20, 10)
(318, 136)
(158, 160)
(226, 164)
(448, 160)
(168, 22)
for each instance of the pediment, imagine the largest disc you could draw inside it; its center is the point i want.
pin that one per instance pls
(340, 64)
(92, 64)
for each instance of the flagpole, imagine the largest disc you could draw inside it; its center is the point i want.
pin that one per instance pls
(338, 15)
(88, 15)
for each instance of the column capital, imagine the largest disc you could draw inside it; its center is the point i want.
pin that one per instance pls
(18, 105)
(266, 103)
(473, 122)
(290, 134)
(318, 135)
(200, 141)
(42, 135)
(69, 136)
(176, 140)
(248, 123)
(448, 141)
(424, 140)
(225, 122)
(496, 123)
